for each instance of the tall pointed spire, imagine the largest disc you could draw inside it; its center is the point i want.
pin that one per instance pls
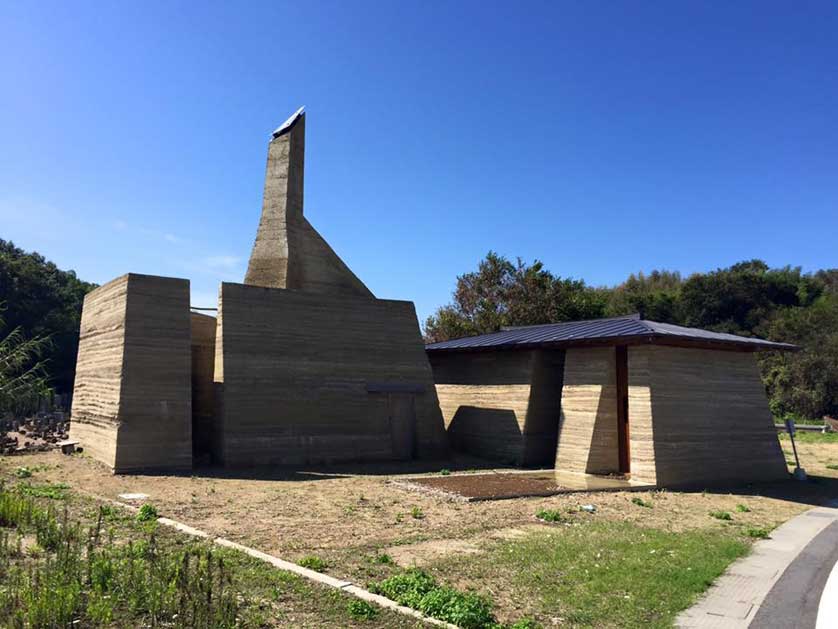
(288, 252)
(282, 203)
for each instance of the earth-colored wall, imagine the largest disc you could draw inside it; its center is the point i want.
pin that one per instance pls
(132, 401)
(304, 377)
(588, 429)
(98, 381)
(502, 406)
(710, 416)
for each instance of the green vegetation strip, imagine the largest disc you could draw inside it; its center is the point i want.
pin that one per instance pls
(811, 437)
(87, 565)
(598, 574)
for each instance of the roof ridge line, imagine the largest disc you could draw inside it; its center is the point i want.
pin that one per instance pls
(635, 316)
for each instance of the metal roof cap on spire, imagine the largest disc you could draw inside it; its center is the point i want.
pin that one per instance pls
(286, 126)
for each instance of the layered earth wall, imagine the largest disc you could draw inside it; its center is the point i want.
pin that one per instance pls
(132, 404)
(304, 378)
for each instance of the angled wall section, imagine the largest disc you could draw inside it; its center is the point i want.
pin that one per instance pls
(305, 378)
(710, 417)
(132, 398)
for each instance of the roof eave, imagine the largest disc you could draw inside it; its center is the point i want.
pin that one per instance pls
(642, 339)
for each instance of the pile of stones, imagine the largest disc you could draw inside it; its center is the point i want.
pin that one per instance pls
(38, 433)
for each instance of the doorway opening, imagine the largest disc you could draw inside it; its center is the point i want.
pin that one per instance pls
(623, 437)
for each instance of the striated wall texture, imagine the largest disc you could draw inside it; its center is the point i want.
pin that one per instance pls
(304, 378)
(501, 405)
(710, 418)
(132, 400)
(588, 429)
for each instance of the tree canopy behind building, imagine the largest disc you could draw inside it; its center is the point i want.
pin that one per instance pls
(42, 301)
(748, 298)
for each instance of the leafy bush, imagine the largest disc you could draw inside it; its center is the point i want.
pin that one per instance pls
(406, 588)
(361, 610)
(147, 513)
(721, 515)
(416, 589)
(468, 610)
(313, 562)
(550, 515)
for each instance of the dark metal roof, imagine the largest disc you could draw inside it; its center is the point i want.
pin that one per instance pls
(627, 329)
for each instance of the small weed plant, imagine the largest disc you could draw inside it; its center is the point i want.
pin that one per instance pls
(637, 500)
(444, 472)
(721, 515)
(743, 508)
(551, 515)
(361, 610)
(23, 472)
(757, 532)
(313, 562)
(417, 513)
(384, 558)
(147, 513)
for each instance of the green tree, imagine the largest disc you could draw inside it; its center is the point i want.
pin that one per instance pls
(43, 301)
(804, 384)
(739, 298)
(656, 296)
(501, 293)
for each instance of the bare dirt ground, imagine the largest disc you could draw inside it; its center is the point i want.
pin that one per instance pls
(350, 516)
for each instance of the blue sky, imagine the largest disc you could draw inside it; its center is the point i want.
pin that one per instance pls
(603, 138)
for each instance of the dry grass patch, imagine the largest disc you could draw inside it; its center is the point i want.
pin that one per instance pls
(348, 517)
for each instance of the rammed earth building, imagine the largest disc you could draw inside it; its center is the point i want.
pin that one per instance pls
(665, 404)
(303, 364)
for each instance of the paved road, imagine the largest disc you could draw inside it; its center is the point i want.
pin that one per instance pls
(795, 599)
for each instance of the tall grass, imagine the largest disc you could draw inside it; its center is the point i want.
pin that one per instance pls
(78, 573)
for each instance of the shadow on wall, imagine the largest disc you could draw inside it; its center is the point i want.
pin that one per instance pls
(603, 454)
(588, 429)
(487, 432)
